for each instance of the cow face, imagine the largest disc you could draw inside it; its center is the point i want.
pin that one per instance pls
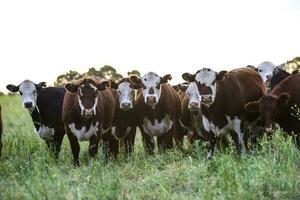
(265, 71)
(151, 86)
(126, 95)
(206, 83)
(194, 96)
(87, 95)
(28, 91)
(271, 108)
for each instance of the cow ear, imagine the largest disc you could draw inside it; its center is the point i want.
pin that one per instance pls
(40, 85)
(71, 87)
(188, 77)
(283, 99)
(104, 85)
(182, 87)
(220, 75)
(135, 81)
(13, 88)
(166, 78)
(252, 107)
(113, 84)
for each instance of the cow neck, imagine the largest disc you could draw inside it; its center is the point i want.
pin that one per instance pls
(36, 117)
(158, 112)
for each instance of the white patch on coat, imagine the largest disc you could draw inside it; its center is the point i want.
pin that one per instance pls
(151, 80)
(126, 94)
(237, 128)
(158, 128)
(45, 132)
(206, 123)
(28, 94)
(208, 78)
(193, 95)
(265, 70)
(83, 134)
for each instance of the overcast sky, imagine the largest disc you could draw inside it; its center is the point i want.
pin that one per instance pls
(40, 40)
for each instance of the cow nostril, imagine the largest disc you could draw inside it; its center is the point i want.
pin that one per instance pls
(28, 104)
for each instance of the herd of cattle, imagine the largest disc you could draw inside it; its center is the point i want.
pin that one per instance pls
(243, 103)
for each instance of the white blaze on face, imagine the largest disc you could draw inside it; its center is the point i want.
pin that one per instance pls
(28, 94)
(265, 70)
(82, 108)
(152, 88)
(194, 96)
(125, 94)
(207, 77)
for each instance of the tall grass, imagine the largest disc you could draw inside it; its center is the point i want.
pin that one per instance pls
(28, 171)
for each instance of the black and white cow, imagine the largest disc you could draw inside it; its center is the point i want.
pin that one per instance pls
(125, 122)
(45, 108)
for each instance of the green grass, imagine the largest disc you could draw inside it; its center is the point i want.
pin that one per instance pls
(27, 171)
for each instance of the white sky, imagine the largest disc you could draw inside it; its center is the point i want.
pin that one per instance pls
(40, 40)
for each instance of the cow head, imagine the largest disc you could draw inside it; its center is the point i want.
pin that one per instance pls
(206, 83)
(271, 108)
(28, 91)
(194, 97)
(265, 71)
(87, 95)
(151, 86)
(126, 93)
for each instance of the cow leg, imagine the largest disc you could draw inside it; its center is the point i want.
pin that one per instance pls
(110, 145)
(211, 148)
(129, 142)
(75, 147)
(240, 135)
(57, 140)
(165, 141)
(178, 135)
(93, 146)
(148, 143)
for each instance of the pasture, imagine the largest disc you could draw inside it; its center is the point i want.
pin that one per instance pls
(27, 170)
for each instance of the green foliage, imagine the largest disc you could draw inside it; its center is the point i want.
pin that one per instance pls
(70, 76)
(27, 171)
(133, 72)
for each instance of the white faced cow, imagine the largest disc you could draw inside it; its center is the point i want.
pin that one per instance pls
(223, 96)
(125, 122)
(265, 70)
(45, 108)
(158, 111)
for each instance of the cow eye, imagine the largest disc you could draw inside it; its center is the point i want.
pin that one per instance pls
(119, 92)
(34, 92)
(21, 93)
(145, 79)
(260, 70)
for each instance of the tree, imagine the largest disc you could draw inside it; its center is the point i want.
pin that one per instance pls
(108, 72)
(293, 65)
(70, 76)
(133, 72)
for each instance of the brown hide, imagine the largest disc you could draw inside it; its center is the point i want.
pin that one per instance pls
(1, 130)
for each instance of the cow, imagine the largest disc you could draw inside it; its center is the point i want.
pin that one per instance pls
(88, 114)
(279, 74)
(265, 70)
(1, 130)
(223, 96)
(44, 105)
(125, 122)
(158, 111)
(278, 107)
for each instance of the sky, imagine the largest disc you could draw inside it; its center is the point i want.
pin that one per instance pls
(40, 40)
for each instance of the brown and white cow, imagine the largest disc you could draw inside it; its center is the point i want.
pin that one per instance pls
(1, 131)
(223, 96)
(276, 107)
(88, 114)
(125, 123)
(158, 111)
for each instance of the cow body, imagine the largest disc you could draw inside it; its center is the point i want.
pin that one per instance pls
(45, 108)
(158, 111)
(223, 97)
(92, 123)
(279, 74)
(276, 107)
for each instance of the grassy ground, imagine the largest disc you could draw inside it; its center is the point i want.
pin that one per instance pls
(27, 171)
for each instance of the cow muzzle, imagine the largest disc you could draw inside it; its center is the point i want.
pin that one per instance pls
(206, 99)
(126, 106)
(194, 106)
(29, 106)
(88, 113)
(151, 100)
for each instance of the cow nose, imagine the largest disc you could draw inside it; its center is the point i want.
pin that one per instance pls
(126, 105)
(28, 104)
(88, 111)
(151, 99)
(206, 99)
(194, 105)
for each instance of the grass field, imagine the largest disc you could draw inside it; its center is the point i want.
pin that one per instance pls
(27, 171)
